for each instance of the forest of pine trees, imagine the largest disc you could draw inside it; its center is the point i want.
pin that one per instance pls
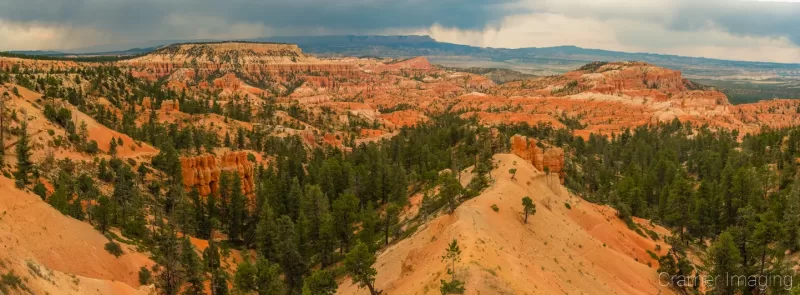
(320, 213)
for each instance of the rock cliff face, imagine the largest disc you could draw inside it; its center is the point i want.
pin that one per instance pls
(203, 172)
(552, 158)
(250, 61)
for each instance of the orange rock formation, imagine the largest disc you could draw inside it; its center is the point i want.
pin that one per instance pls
(203, 172)
(527, 149)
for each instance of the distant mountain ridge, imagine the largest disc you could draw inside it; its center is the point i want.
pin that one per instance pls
(548, 59)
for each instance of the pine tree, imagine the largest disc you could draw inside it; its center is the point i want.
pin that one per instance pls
(170, 270)
(193, 268)
(245, 277)
(791, 218)
(369, 222)
(678, 206)
(327, 239)
(528, 207)
(112, 147)
(345, 209)
(219, 277)
(269, 278)
(236, 211)
(211, 216)
(266, 233)
(724, 259)
(450, 191)
(3, 100)
(219, 282)
(390, 219)
(320, 282)
(451, 256)
(358, 264)
(211, 257)
(24, 164)
(102, 214)
(288, 253)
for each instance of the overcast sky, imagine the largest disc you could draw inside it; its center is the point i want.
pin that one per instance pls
(729, 29)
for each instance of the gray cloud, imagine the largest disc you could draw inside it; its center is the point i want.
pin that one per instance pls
(746, 18)
(130, 21)
(295, 15)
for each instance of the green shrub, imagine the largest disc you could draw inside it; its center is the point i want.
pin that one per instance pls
(144, 276)
(652, 255)
(91, 147)
(114, 248)
(12, 281)
(495, 208)
(40, 190)
(653, 235)
(567, 205)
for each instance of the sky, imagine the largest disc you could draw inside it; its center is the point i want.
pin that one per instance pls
(750, 30)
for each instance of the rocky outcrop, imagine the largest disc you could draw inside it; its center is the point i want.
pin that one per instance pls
(168, 105)
(203, 172)
(541, 157)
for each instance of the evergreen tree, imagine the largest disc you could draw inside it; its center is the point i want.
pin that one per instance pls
(211, 256)
(193, 268)
(724, 259)
(528, 207)
(266, 233)
(219, 277)
(369, 222)
(450, 191)
(390, 219)
(170, 272)
(5, 97)
(345, 209)
(320, 282)
(24, 164)
(269, 278)
(327, 239)
(358, 264)
(245, 278)
(236, 211)
(112, 147)
(679, 205)
(102, 214)
(219, 282)
(288, 253)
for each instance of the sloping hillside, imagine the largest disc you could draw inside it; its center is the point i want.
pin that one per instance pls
(56, 254)
(582, 250)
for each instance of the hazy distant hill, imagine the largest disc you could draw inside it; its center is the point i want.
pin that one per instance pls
(542, 61)
(546, 59)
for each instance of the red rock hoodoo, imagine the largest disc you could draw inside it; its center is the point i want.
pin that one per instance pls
(527, 148)
(203, 172)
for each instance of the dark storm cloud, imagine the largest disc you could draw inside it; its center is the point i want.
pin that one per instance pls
(121, 21)
(132, 16)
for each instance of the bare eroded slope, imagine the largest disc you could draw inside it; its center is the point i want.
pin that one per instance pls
(56, 254)
(582, 250)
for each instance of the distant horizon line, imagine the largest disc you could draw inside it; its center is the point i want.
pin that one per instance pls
(164, 43)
